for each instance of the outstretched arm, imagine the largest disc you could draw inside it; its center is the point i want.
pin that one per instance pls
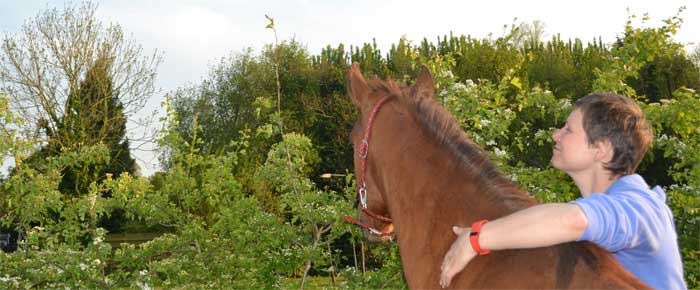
(537, 226)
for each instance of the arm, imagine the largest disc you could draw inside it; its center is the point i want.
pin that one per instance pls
(538, 226)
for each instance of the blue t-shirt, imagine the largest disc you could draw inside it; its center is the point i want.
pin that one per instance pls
(634, 223)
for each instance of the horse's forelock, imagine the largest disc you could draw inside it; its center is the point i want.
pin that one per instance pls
(386, 88)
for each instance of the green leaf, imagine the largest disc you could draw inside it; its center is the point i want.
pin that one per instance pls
(271, 25)
(516, 83)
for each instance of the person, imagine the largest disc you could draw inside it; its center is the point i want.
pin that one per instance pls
(600, 147)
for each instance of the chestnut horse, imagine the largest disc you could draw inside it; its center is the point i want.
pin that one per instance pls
(421, 170)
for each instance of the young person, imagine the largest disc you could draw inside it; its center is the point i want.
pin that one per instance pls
(600, 147)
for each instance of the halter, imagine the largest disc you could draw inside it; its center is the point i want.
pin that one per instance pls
(362, 185)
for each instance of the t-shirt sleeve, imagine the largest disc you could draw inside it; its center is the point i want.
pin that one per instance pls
(612, 222)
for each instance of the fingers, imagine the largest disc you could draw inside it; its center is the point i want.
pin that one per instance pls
(449, 265)
(445, 279)
(446, 265)
(458, 231)
(449, 269)
(453, 262)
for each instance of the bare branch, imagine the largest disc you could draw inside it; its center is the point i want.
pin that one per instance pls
(46, 61)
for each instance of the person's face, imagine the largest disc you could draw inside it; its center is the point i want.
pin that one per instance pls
(572, 153)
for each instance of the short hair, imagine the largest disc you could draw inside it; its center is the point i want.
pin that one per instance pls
(618, 119)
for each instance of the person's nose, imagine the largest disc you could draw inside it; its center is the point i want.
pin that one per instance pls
(556, 135)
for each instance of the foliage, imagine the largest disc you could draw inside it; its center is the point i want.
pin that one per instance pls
(314, 214)
(637, 48)
(93, 116)
(389, 276)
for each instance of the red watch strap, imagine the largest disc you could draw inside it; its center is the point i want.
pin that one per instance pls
(474, 233)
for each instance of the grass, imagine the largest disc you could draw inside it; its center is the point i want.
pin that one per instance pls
(313, 282)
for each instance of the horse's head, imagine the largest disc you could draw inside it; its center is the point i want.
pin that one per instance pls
(372, 135)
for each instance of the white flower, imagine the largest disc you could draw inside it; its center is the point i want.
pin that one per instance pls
(82, 266)
(565, 103)
(143, 286)
(447, 74)
(460, 87)
(499, 152)
(484, 122)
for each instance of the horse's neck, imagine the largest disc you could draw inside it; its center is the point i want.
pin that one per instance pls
(427, 195)
(431, 189)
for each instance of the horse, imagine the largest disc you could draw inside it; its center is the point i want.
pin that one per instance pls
(419, 174)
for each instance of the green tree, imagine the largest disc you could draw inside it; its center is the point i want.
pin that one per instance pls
(660, 78)
(637, 48)
(93, 115)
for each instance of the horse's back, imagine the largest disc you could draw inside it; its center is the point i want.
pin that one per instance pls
(568, 266)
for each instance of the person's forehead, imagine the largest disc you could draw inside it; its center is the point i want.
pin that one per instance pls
(575, 117)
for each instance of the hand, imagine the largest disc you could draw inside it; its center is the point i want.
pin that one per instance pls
(459, 255)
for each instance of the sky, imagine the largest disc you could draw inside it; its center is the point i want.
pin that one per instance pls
(195, 35)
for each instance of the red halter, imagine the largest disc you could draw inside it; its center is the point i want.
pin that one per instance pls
(362, 186)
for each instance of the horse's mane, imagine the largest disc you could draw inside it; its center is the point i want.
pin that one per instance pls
(446, 130)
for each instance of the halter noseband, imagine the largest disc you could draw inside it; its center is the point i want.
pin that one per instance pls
(362, 185)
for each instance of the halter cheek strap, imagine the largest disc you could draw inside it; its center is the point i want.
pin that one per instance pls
(362, 185)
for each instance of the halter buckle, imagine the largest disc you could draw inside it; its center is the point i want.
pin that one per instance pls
(364, 149)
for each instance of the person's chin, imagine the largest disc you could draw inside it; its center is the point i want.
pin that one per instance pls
(553, 162)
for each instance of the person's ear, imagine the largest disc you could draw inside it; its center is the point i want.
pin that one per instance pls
(605, 151)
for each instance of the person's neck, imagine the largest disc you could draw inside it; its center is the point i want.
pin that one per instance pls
(596, 181)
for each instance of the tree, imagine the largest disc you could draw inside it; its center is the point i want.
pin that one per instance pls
(236, 99)
(74, 81)
(695, 56)
(93, 115)
(527, 33)
(42, 65)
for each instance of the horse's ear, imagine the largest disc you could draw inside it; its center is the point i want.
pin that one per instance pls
(357, 86)
(424, 86)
